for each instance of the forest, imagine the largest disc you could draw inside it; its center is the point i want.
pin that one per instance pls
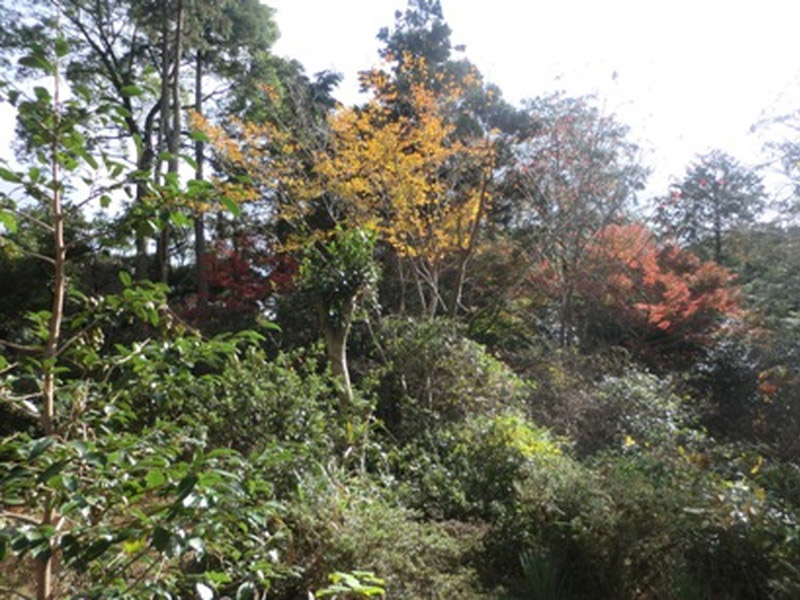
(257, 344)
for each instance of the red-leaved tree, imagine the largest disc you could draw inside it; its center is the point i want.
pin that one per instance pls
(657, 299)
(241, 279)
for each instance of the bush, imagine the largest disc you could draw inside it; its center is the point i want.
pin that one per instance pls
(343, 523)
(437, 377)
(471, 470)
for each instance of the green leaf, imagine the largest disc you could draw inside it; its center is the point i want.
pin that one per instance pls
(125, 278)
(179, 219)
(42, 94)
(199, 136)
(234, 208)
(88, 158)
(61, 47)
(9, 175)
(161, 539)
(83, 91)
(52, 470)
(155, 478)
(246, 591)
(186, 486)
(38, 447)
(9, 221)
(217, 577)
(105, 201)
(131, 90)
(37, 61)
(189, 161)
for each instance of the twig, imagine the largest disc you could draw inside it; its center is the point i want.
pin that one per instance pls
(15, 593)
(31, 218)
(33, 254)
(24, 518)
(20, 347)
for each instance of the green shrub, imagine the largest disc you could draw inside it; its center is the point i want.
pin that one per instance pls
(471, 470)
(437, 377)
(350, 524)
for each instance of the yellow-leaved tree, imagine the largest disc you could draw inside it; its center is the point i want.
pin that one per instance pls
(404, 174)
(408, 176)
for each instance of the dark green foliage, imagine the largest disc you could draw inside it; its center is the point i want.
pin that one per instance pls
(716, 196)
(437, 376)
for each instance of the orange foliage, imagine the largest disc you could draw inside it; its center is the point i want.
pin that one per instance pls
(641, 289)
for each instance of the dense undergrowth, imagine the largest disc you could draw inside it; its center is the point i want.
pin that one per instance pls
(427, 350)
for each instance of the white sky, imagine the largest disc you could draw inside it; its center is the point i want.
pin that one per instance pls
(690, 75)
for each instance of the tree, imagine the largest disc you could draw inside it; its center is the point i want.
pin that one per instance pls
(572, 176)
(98, 487)
(137, 55)
(658, 300)
(337, 274)
(716, 196)
(422, 188)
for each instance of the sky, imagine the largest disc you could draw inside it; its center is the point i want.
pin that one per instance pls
(686, 76)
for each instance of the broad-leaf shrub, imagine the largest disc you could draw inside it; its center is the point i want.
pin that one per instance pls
(437, 377)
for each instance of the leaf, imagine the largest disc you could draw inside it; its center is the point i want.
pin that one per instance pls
(161, 539)
(155, 478)
(179, 219)
(246, 591)
(42, 94)
(199, 136)
(61, 47)
(9, 175)
(189, 161)
(38, 447)
(88, 158)
(234, 208)
(36, 61)
(217, 577)
(52, 471)
(186, 485)
(131, 90)
(8, 221)
(105, 201)
(125, 278)
(132, 546)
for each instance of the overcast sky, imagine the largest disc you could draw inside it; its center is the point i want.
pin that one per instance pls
(686, 76)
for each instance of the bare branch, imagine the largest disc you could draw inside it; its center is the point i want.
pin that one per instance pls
(31, 218)
(19, 517)
(20, 347)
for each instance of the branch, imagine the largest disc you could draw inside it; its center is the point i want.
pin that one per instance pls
(31, 218)
(9, 368)
(20, 347)
(17, 517)
(14, 592)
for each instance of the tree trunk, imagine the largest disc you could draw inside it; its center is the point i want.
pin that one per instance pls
(335, 336)
(162, 242)
(466, 253)
(199, 223)
(44, 571)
